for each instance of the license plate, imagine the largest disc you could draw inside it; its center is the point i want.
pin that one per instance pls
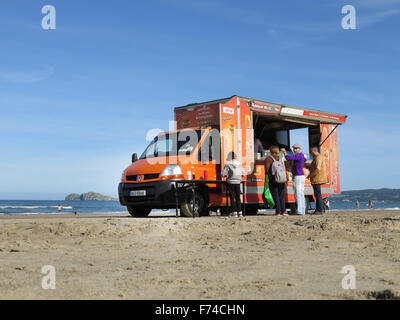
(138, 193)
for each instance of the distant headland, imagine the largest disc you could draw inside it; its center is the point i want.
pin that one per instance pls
(384, 194)
(89, 196)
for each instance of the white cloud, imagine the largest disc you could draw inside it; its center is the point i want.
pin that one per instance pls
(366, 20)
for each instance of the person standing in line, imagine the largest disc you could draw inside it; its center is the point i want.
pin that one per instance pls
(318, 177)
(357, 205)
(298, 177)
(234, 172)
(275, 169)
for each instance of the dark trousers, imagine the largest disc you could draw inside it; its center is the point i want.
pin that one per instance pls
(234, 195)
(278, 192)
(319, 206)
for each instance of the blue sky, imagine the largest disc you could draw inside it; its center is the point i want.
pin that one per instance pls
(76, 102)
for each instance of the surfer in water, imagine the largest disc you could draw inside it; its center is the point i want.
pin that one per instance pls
(59, 208)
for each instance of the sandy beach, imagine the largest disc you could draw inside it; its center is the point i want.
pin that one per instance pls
(254, 257)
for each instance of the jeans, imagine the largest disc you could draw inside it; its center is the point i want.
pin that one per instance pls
(319, 206)
(299, 182)
(234, 194)
(278, 192)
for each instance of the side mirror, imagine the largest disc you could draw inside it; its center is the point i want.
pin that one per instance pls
(134, 157)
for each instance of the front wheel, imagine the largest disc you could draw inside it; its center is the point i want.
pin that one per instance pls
(139, 212)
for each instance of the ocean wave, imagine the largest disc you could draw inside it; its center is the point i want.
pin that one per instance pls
(58, 213)
(376, 209)
(33, 207)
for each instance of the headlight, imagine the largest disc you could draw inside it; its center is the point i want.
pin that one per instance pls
(123, 174)
(172, 171)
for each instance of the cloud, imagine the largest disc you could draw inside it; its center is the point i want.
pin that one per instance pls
(376, 3)
(26, 76)
(366, 20)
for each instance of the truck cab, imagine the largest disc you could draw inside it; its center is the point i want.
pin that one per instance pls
(183, 154)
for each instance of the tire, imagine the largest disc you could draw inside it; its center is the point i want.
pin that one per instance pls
(293, 206)
(251, 210)
(201, 205)
(307, 205)
(139, 212)
(225, 211)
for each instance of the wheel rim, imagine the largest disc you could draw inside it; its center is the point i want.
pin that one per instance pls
(198, 205)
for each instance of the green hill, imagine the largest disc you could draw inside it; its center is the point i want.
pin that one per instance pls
(383, 194)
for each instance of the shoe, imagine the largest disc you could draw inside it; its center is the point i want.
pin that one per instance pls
(233, 214)
(240, 214)
(317, 213)
(285, 214)
(277, 214)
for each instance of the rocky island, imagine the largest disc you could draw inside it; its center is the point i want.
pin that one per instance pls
(89, 196)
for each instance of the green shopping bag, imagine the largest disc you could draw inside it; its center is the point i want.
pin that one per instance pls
(267, 193)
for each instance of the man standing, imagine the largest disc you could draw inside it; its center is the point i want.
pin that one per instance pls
(234, 172)
(318, 177)
(298, 177)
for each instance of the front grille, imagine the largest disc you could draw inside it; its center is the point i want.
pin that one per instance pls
(148, 176)
(151, 176)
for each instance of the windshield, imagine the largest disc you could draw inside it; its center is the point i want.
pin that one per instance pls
(182, 143)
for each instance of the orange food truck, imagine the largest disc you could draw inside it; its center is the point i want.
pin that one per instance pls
(197, 151)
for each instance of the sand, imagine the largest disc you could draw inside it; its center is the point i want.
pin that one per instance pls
(254, 257)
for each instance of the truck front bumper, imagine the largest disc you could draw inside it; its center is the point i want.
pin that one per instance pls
(159, 194)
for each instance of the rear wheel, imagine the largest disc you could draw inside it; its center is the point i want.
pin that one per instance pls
(293, 206)
(139, 212)
(251, 209)
(200, 205)
(225, 211)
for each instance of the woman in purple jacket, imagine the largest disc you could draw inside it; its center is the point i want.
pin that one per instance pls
(299, 178)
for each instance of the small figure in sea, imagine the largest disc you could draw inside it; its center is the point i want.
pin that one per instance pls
(357, 205)
(371, 205)
(59, 208)
(75, 212)
(327, 205)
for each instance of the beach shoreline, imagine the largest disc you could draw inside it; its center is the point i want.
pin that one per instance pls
(115, 256)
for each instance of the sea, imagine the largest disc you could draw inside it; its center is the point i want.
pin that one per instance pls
(48, 207)
(32, 207)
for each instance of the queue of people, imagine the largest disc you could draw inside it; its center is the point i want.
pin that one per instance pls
(276, 179)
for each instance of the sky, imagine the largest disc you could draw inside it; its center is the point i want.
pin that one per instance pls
(77, 101)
